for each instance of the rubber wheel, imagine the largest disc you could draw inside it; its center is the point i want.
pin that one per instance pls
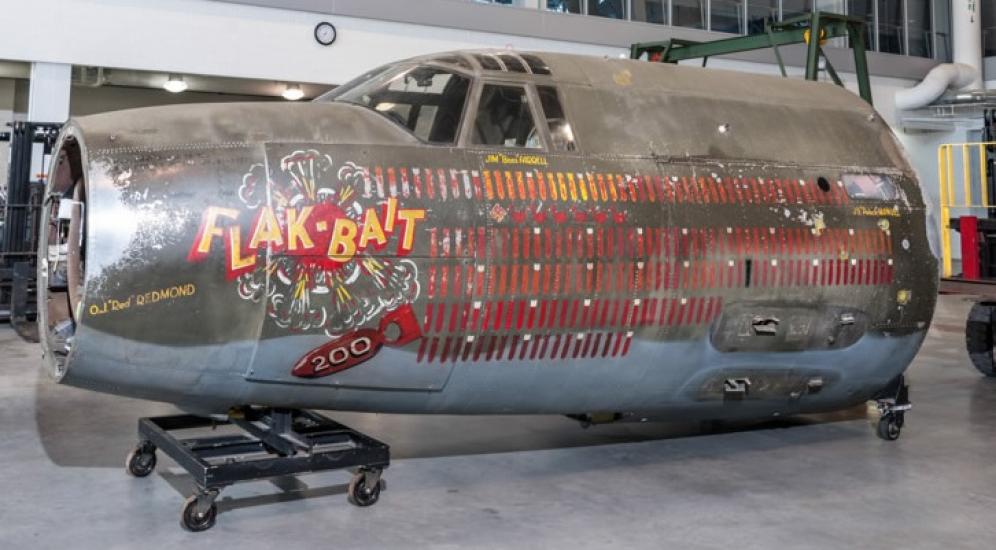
(141, 461)
(890, 425)
(191, 521)
(359, 494)
(979, 337)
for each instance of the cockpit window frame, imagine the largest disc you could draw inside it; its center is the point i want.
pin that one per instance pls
(479, 77)
(329, 96)
(466, 136)
(561, 100)
(393, 71)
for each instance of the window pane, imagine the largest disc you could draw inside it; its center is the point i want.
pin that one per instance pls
(503, 118)
(759, 11)
(918, 23)
(651, 11)
(453, 60)
(688, 13)
(728, 16)
(607, 8)
(561, 133)
(427, 101)
(360, 80)
(564, 6)
(830, 6)
(423, 120)
(511, 63)
(795, 8)
(487, 61)
(864, 9)
(942, 30)
(536, 65)
(988, 27)
(890, 26)
(871, 186)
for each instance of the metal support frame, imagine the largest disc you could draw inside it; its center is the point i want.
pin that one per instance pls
(279, 442)
(274, 442)
(810, 29)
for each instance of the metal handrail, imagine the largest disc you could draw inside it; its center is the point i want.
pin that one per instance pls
(972, 153)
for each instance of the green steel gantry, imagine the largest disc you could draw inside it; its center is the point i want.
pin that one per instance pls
(798, 30)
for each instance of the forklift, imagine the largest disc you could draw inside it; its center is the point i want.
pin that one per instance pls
(20, 207)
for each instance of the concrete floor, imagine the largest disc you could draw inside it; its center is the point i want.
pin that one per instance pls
(530, 482)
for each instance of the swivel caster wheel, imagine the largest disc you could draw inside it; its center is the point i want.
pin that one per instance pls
(364, 488)
(890, 426)
(141, 460)
(195, 520)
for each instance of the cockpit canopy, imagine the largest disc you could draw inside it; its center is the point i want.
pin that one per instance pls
(477, 99)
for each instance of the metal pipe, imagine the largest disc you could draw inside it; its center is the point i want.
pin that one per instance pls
(966, 33)
(933, 86)
(969, 97)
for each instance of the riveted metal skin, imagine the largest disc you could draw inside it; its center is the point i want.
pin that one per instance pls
(702, 230)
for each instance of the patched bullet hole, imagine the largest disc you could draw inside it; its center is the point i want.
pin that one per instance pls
(823, 184)
(392, 332)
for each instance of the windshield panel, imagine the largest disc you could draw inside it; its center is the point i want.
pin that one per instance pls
(426, 100)
(341, 89)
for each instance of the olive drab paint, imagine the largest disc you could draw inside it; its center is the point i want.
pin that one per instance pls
(686, 229)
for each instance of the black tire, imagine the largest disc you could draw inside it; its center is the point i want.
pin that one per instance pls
(980, 338)
(141, 461)
(359, 494)
(193, 522)
(890, 426)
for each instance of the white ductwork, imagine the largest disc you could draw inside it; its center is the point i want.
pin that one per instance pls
(964, 73)
(966, 35)
(937, 81)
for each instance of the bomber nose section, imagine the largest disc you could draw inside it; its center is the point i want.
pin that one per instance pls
(124, 190)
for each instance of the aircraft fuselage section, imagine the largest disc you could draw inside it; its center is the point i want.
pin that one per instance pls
(405, 267)
(489, 232)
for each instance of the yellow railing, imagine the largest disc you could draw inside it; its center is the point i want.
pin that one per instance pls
(973, 155)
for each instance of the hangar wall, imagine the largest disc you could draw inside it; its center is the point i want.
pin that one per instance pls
(249, 41)
(219, 38)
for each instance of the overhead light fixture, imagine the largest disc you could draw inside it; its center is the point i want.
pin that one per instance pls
(175, 84)
(293, 92)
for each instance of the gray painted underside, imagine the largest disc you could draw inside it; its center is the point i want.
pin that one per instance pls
(656, 378)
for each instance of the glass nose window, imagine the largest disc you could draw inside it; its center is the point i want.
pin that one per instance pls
(504, 118)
